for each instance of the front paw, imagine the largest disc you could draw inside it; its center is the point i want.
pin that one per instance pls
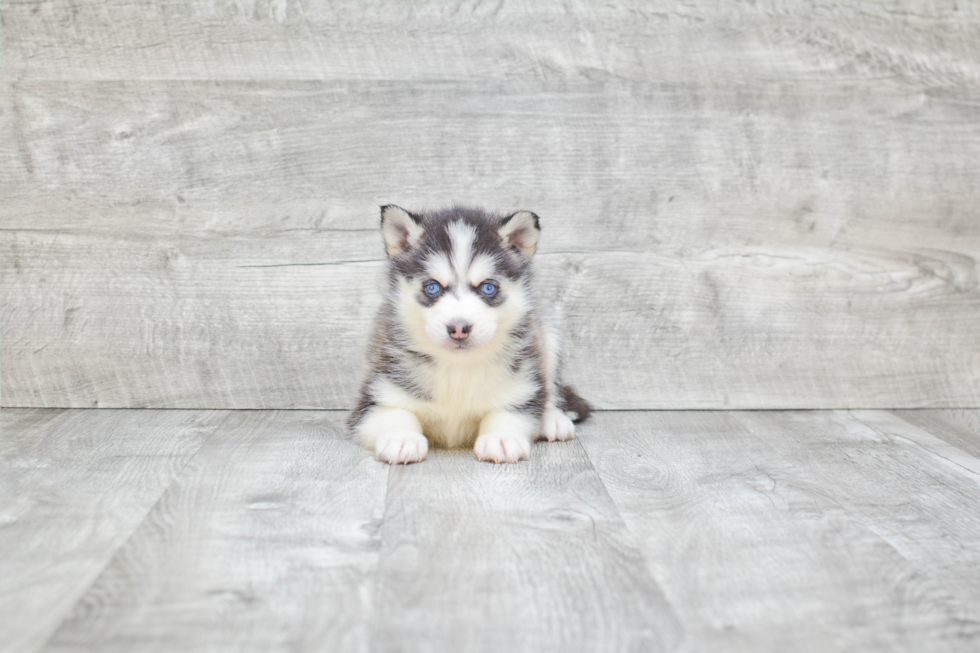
(401, 447)
(496, 448)
(555, 425)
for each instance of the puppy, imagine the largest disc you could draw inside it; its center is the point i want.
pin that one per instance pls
(458, 355)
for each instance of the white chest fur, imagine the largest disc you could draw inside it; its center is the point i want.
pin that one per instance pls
(462, 393)
(465, 392)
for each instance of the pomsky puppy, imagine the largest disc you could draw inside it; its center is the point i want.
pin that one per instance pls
(459, 355)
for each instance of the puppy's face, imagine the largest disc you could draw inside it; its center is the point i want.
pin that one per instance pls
(460, 275)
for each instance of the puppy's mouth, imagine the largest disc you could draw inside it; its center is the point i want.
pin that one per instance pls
(458, 345)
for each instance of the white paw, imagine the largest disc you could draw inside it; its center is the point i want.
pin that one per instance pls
(555, 425)
(496, 448)
(401, 447)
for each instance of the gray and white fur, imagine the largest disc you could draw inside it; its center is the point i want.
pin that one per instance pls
(459, 355)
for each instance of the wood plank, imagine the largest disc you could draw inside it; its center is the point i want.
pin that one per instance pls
(528, 557)
(193, 322)
(75, 484)
(892, 426)
(266, 542)
(280, 322)
(960, 428)
(614, 165)
(384, 40)
(788, 328)
(766, 530)
(910, 488)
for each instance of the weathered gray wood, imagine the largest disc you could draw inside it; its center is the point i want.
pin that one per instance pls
(271, 321)
(893, 427)
(910, 488)
(528, 557)
(266, 542)
(690, 531)
(389, 40)
(765, 205)
(613, 165)
(806, 531)
(960, 428)
(184, 322)
(73, 486)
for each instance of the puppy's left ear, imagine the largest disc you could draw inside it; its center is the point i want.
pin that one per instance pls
(521, 230)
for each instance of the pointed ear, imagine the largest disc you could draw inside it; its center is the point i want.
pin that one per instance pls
(521, 230)
(401, 230)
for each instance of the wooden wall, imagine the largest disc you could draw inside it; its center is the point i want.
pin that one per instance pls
(745, 205)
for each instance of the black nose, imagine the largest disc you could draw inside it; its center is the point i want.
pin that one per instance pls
(459, 330)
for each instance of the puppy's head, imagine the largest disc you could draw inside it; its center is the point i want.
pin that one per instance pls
(459, 275)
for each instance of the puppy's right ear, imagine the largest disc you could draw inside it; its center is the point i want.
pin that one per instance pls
(401, 229)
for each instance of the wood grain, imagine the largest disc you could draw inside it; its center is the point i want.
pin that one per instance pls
(910, 488)
(388, 40)
(529, 557)
(959, 428)
(941, 451)
(758, 531)
(804, 531)
(279, 321)
(198, 322)
(608, 165)
(73, 487)
(765, 205)
(266, 542)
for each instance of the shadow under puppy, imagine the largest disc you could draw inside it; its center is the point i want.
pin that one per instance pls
(458, 355)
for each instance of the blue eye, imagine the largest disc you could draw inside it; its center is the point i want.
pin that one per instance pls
(432, 288)
(489, 289)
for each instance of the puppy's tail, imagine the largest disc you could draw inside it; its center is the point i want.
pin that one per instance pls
(572, 403)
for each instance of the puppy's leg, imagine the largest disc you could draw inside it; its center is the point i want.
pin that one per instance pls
(395, 434)
(505, 437)
(555, 425)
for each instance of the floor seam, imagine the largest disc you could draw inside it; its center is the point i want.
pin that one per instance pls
(95, 579)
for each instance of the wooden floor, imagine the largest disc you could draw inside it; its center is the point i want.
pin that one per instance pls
(146, 530)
